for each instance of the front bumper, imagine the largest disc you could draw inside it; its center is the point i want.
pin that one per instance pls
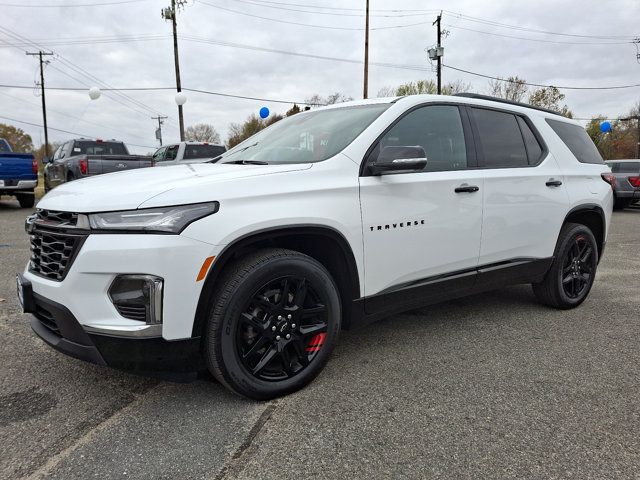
(57, 327)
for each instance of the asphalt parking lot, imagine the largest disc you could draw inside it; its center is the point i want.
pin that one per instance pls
(492, 386)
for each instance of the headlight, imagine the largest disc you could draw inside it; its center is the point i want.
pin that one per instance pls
(163, 219)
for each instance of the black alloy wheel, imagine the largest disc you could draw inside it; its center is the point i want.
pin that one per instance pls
(578, 267)
(571, 276)
(281, 329)
(275, 316)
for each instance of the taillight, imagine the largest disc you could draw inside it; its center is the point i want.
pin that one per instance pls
(34, 166)
(84, 166)
(610, 178)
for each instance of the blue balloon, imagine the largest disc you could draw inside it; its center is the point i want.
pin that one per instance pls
(605, 127)
(264, 112)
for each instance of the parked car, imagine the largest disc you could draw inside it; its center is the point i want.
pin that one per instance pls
(18, 174)
(84, 157)
(325, 220)
(186, 152)
(626, 181)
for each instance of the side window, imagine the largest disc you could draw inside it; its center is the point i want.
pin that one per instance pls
(500, 138)
(615, 167)
(159, 155)
(65, 149)
(577, 140)
(171, 153)
(534, 150)
(437, 129)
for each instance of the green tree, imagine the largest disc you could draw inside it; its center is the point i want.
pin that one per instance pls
(551, 98)
(202, 132)
(239, 132)
(20, 141)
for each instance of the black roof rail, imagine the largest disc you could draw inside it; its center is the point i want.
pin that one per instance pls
(502, 100)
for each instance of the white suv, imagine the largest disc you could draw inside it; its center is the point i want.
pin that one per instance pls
(330, 218)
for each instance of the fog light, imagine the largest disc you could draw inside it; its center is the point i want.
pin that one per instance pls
(138, 297)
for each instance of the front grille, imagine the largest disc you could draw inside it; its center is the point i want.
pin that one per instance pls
(133, 312)
(57, 219)
(53, 248)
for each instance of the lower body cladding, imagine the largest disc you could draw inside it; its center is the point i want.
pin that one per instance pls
(126, 301)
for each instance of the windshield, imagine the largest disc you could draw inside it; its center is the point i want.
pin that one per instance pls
(306, 137)
(99, 148)
(203, 151)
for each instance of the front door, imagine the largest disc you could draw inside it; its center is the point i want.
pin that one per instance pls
(422, 229)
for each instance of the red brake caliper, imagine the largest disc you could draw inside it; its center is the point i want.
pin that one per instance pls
(316, 342)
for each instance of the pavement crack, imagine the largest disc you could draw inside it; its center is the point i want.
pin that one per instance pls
(233, 467)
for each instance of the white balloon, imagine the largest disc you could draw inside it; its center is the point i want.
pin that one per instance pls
(94, 93)
(181, 98)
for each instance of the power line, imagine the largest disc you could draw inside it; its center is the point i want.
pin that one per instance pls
(65, 131)
(330, 27)
(542, 40)
(526, 29)
(611, 87)
(341, 14)
(341, 8)
(68, 5)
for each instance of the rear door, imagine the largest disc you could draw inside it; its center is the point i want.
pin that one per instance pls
(421, 231)
(525, 200)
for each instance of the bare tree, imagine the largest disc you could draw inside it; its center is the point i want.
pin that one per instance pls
(202, 132)
(426, 87)
(317, 100)
(550, 97)
(386, 92)
(513, 89)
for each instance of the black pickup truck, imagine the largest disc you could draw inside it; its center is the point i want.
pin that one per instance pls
(84, 157)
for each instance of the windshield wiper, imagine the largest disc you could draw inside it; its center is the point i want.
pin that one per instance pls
(247, 162)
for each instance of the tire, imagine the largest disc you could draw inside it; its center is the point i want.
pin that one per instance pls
(567, 283)
(46, 185)
(262, 343)
(70, 177)
(26, 200)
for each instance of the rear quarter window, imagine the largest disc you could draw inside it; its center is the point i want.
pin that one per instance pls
(577, 140)
(624, 167)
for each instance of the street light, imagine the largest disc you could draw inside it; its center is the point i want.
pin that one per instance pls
(181, 99)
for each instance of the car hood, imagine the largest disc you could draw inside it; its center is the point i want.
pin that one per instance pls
(130, 189)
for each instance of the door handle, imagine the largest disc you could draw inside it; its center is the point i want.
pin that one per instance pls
(466, 189)
(553, 183)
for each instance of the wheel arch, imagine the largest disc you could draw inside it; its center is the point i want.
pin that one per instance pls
(592, 216)
(325, 244)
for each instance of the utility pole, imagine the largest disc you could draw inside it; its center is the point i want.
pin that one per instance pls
(159, 130)
(637, 119)
(40, 54)
(439, 53)
(169, 13)
(366, 54)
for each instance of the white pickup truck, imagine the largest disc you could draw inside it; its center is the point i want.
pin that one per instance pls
(186, 152)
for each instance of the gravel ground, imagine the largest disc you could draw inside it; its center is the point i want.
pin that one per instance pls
(491, 386)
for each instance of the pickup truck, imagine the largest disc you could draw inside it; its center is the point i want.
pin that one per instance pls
(186, 152)
(18, 174)
(625, 181)
(83, 157)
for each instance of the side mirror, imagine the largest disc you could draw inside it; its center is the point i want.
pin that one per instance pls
(399, 159)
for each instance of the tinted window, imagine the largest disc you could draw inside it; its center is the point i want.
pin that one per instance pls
(437, 129)
(577, 140)
(624, 167)
(203, 151)
(85, 147)
(534, 150)
(500, 139)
